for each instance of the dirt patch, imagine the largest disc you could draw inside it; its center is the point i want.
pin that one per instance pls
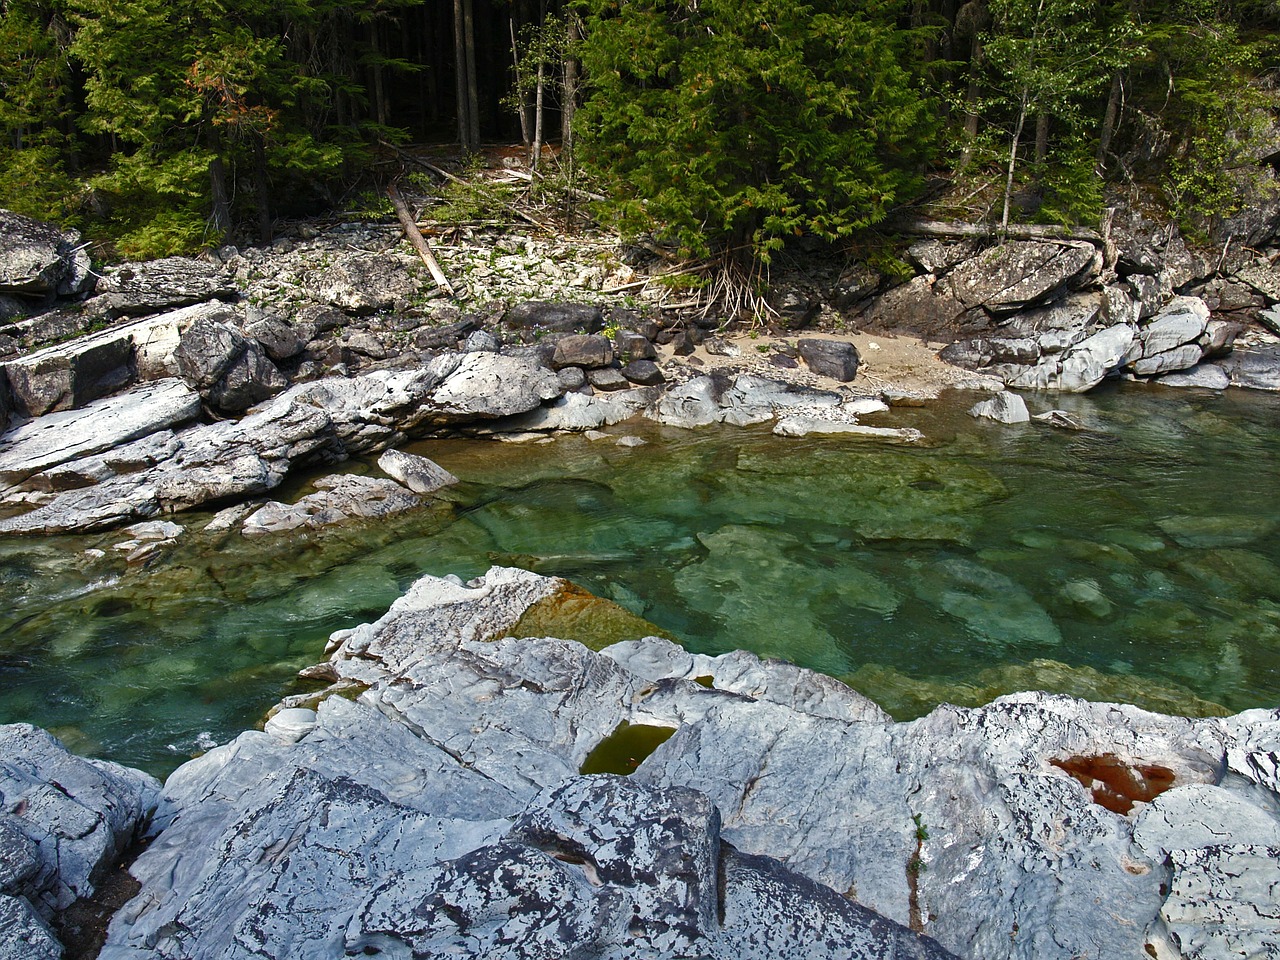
(901, 364)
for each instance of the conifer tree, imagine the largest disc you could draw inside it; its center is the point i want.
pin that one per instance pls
(730, 125)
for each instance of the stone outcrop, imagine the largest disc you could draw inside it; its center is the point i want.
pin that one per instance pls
(155, 286)
(37, 260)
(444, 810)
(324, 421)
(64, 822)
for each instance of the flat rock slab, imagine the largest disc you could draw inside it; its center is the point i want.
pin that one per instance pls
(444, 813)
(59, 438)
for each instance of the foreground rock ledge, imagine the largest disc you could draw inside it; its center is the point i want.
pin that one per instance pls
(441, 812)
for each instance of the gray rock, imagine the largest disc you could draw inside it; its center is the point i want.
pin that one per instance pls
(1179, 322)
(481, 341)
(582, 350)
(559, 317)
(67, 376)
(1016, 274)
(249, 380)
(444, 811)
(337, 499)
(1083, 366)
(24, 935)
(37, 259)
(608, 379)
(922, 303)
(571, 378)
(1004, 407)
(578, 411)
(60, 438)
(1208, 376)
(830, 358)
(1219, 338)
(74, 816)
(1270, 318)
(280, 341)
(326, 420)
(1179, 358)
(1256, 367)
(158, 285)
(1017, 350)
(208, 348)
(939, 256)
(419, 474)
(629, 346)
(644, 372)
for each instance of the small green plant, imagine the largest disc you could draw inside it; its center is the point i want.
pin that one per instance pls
(922, 832)
(916, 866)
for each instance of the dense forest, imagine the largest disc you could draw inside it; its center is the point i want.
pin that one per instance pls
(718, 125)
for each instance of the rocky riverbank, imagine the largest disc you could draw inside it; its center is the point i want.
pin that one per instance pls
(159, 387)
(438, 798)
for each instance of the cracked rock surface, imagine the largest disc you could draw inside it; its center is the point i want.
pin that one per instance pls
(443, 812)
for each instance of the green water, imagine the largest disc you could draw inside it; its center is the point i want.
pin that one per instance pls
(1135, 561)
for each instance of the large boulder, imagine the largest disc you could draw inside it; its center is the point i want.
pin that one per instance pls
(66, 376)
(1082, 366)
(231, 371)
(582, 350)
(1257, 367)
(39, 445)
(1014, 275)
(157, 285)
(837, 359)
(1171, 340)
(555, 317)
(64, 823)
(39, 260)
(336, 499)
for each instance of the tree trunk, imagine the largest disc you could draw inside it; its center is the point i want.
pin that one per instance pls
(1013, 159)
(465, 76)
(1109, 119)
(473, 87)
(379, 87)
(521, 108)
(536, 154)
(569, 97)
(220, 216)
(1042, 136)
(971, 103)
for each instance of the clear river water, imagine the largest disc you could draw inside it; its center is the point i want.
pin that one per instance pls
(1134, 561)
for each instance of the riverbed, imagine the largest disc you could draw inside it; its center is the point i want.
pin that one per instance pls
(1134, 560)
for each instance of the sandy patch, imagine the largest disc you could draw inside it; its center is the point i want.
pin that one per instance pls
(900, 364)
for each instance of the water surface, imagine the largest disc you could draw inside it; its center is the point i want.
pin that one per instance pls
(1133, 561)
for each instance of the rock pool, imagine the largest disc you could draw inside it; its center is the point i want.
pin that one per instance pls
(1134, 561)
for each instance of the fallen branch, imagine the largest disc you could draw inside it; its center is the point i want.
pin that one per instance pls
(418, 241)
(1025, 231)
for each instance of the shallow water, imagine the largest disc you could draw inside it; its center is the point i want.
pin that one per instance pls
(1135, 561)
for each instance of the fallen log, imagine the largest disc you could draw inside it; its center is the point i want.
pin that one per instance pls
(418, 241)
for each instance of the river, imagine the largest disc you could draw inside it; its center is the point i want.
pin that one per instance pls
(1134, 561)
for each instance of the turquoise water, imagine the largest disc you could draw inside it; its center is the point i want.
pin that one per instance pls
(1135, 561)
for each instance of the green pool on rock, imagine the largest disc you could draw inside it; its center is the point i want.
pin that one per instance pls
(1134, 561)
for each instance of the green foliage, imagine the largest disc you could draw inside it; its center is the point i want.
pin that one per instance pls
(157, 204)
(734, 125)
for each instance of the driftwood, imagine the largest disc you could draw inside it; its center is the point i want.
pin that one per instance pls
(417, 240)
(1015, 231)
